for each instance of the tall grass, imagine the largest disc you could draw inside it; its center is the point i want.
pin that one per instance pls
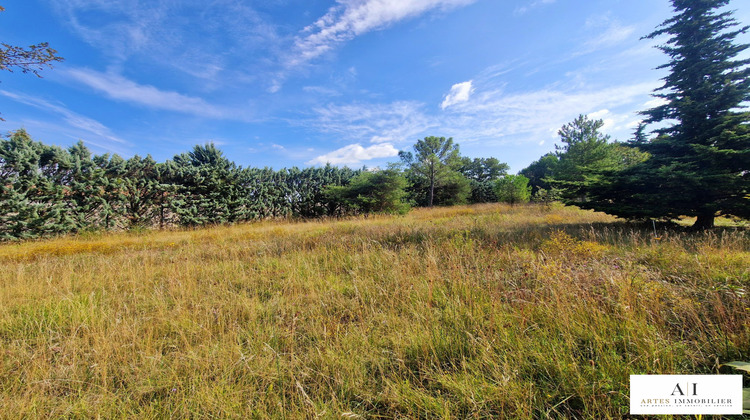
(465, 312)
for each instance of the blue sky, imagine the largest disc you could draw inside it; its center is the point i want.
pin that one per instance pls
(284, 83)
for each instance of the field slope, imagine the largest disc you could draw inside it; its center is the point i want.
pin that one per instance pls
(465, 312)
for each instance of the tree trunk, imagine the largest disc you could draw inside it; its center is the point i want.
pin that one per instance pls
(704, 221)
(432, 184)
(432, 191)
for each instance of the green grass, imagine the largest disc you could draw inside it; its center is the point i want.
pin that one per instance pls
(465, 312)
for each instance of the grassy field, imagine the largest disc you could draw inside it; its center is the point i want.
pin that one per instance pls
(464, 312)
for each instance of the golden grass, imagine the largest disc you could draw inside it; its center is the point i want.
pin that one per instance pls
(463, 312)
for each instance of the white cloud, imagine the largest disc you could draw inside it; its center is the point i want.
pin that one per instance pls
(491, 118)
(398, 122)
(614, 35)
(654, 102)
(532, 5)
(355, 154)
(351, 18)
(460, 92)
(609, 32)
(321, 90)
(73, 119)
(596, 115)
(537, 115)
(122, 89)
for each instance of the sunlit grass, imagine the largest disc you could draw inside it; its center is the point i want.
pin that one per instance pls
(463, 312)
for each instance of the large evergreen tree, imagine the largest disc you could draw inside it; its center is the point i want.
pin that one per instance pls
(699, 164)
(207, 187)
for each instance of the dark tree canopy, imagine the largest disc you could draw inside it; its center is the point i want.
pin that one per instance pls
(699, 162)
(539, 171)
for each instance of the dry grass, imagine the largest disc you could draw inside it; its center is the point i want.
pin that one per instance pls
(464, 312)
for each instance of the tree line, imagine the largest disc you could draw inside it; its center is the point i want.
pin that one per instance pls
(696, 162)
(48, 190)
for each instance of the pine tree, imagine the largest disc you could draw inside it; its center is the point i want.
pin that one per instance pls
(539, 171)
(433, 171)
(700, 165)
(30, 200)
(586, 153)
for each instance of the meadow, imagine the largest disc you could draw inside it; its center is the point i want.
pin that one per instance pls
(482, 311)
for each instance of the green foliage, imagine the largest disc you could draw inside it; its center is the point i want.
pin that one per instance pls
(585, 162)
(30, 203)
(305, 188)
(585, 154)
(207, 188)
(640, 137)
(483, 169)
(46, 190)
(744, 366)
(540, 171)
(433, 172)
(380, 191)
(546, 197)
(700, 164)
(482, 173)
(513, 189)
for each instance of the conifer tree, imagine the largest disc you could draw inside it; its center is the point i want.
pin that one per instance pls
(586, 153)
(700, 164)
(433, 171)
(482, 174)
(30, 202)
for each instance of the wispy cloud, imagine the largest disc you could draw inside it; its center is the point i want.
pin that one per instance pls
(122, 27)
(397, 122)
(531, 5)
(460, 92)
(355, 154)
(492, 117)
(71, 118)
(607, 32)
(119, 88)
(534, 116)
(321, 90)
(202, 39)
(350, 19)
